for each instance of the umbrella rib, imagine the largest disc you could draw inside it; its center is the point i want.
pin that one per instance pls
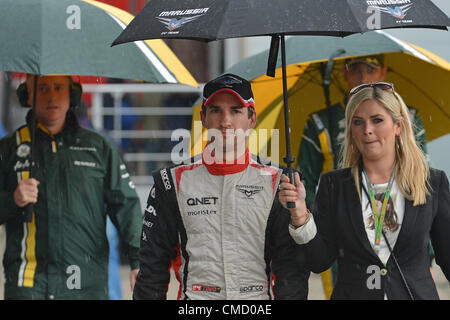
(312, 79)
(337, 84)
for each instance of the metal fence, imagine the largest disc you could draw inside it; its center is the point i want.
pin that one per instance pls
(117, 91)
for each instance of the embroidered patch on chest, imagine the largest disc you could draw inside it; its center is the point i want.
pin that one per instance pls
(84, 164)
(249, 191)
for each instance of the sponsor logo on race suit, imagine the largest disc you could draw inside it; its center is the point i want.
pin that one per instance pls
(165, 179)
(247, 289)
(249, 191)
(202, 201)
(150, 209)
(200, 287)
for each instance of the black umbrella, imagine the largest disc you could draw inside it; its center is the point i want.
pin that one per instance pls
(209, 20)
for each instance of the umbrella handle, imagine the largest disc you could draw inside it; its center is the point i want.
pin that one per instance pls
(273, 55)
(29, 208)
(289, 159)
(28, 212)
(290, 174)
(291, 205)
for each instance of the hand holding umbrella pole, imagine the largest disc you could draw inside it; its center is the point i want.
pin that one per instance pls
(29, 208)
(273, 54)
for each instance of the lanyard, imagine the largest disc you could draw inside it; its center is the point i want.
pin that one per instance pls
(378, 216)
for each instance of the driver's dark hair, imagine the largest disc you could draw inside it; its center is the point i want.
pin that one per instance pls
(251, 111)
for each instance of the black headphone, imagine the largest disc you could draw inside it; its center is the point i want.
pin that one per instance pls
(76, 92)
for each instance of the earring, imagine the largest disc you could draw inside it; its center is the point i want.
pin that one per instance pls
(399, 143)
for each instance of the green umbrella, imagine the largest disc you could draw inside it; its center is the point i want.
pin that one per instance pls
(74, 36)
(46, 37)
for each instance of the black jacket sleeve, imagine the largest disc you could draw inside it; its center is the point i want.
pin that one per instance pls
(441, 225)
(123, 205)
(288, 259)
(159, 242)
(322, 250)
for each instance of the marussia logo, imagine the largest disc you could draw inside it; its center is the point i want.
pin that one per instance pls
(229, 81)
(176, 19)
(249, 191)
(398, 12)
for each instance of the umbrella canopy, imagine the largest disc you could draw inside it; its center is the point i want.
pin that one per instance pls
(209, 20)
(217, 19)
(419, 76)
(74, 36)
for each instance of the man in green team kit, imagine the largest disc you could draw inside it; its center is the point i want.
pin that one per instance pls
(77, 179)
(324, 133)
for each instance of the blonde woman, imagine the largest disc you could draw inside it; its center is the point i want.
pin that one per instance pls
(376, 216)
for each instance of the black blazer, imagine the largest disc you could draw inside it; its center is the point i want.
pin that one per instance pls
(341, 234)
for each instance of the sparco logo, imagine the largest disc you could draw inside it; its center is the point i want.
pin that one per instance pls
(249, 191)
(203, 200)
(251, 289)
(165, 179)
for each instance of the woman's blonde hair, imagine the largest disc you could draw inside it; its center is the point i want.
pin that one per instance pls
(411, 170)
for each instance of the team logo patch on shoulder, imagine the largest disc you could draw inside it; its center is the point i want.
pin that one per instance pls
(249, 191)
(23, 150)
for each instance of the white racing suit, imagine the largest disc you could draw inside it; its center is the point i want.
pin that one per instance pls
(226, 236)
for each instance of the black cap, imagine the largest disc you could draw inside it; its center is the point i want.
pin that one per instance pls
(374, 61)
(229, 83)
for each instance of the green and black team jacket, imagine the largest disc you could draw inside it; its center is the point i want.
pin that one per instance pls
(63, 252)
(323, 139)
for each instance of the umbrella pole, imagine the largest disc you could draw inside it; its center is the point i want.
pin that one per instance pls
(29, 208)
(289, 159)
